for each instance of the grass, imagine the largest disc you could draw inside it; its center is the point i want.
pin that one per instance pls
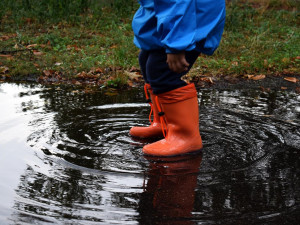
(260, 37)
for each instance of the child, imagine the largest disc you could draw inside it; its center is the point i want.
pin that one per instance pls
(171, 34)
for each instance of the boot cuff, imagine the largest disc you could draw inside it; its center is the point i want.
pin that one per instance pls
(178, 95)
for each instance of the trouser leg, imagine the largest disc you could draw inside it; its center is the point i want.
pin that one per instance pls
(158, 73)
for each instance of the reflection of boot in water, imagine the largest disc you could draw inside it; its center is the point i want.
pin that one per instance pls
(170, 191)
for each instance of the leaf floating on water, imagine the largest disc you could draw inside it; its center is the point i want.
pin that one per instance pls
(291, 79)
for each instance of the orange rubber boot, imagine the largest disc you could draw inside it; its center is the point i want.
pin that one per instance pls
(181, 114)
(154, 129)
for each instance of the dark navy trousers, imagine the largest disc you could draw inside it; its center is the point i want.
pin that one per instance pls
(157, 73)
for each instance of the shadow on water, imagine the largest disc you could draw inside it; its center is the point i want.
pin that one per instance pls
(82, 167)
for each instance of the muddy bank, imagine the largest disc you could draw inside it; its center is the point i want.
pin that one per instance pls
(135, 80)
(266, 84)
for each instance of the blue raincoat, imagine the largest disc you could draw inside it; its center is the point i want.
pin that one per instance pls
(179, 25)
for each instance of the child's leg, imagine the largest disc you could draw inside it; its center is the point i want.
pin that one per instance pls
(143, 57)
(177, 105)
(154, 130)
(159, 75)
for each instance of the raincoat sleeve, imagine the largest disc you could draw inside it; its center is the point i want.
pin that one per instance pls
(176, 24)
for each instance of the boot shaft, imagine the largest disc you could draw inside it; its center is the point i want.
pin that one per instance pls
(181, 111)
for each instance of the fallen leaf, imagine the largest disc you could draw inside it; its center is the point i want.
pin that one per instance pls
(113, 46)
(6, 56)
(207, 79)
(133, 75)
(291, 79)
(31, 46)
(129, 83)
(28, 20)
(99, 70)
(263, 89)
(4, 69)
(16, 46)
(37, 53)
(48, 72)
(4, 38)
(259, 77)
(283, 88)
(134, 69)
(297, 89)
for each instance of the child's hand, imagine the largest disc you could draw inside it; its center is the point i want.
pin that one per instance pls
(177, 62)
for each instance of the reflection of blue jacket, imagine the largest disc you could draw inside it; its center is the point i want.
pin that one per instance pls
(178, 25)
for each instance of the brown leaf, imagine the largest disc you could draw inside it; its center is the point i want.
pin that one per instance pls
(113, 46)
(207, 79)
(134, 69)
(6, 56)
(75, 47)
(291, 79)
(37, 53)
(16, 46)
(4, 38)
(297, 90)
(48, 72)
(258, 77)
(283, 88)
(4, 69)
(31, 46)
(133, 75)
(129, 83)
(99, 70)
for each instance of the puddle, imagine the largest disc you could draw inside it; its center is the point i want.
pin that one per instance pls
(66, 158)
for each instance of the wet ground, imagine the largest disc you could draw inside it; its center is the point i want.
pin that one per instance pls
(66, 158)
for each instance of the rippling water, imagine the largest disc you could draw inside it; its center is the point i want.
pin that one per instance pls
(66, 158)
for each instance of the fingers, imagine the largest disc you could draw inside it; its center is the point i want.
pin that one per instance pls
(177, 62)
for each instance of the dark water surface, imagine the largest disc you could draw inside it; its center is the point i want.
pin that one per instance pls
(66, 158)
